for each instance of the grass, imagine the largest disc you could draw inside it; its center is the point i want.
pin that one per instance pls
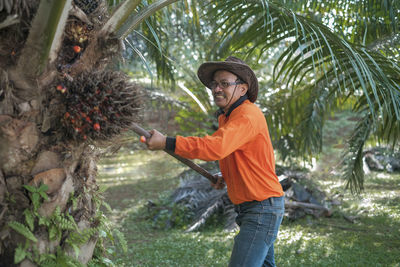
(373, 240)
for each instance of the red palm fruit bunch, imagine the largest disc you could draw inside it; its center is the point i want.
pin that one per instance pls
(76, 37)
(99, 105)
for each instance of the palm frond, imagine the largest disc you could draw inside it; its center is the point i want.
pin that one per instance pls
(319, 67)
(45, 36)
(360, 21)
(213, 205)
(196, 193)
(137, 17)
(120, 15)
(129, 41)
(169, 46)
(313, 47)
(353, 171)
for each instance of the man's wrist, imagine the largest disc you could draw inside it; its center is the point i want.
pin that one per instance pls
(170, 144)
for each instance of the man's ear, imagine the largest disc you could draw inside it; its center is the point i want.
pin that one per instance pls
(243, 89)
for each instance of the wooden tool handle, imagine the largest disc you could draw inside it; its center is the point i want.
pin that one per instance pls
(142, 132)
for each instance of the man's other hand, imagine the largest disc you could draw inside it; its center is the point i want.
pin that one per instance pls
(157, 140)
(220, 184)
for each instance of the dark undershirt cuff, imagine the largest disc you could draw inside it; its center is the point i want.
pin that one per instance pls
(170, 144)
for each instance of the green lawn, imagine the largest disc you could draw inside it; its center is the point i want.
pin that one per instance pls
(373, 240)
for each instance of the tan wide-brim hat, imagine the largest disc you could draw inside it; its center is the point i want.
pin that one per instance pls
(236, 66)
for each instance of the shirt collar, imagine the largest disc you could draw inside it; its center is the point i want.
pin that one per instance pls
(234, 105)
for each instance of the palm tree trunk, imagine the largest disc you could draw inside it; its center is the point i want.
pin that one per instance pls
(31, 157)
(49, 199)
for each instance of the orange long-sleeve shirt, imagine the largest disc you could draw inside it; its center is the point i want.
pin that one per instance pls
(244, 150)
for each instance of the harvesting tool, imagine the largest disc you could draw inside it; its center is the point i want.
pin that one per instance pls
(145, 135)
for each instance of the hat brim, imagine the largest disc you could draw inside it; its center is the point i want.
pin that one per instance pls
(206, 75)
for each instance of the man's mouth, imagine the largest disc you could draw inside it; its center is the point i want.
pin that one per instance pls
(218, 97)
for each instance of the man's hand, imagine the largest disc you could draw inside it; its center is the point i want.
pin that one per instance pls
(157, 140)
(220, 184)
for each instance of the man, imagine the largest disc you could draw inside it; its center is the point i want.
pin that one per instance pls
(246, 158)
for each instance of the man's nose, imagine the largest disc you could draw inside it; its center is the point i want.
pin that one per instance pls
(217, 88)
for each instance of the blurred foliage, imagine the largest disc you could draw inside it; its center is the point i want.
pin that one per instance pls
(195, 123)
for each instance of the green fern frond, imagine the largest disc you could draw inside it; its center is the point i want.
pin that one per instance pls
(44, 221)
(50, 263)
(85, 236)
(54, 232)
(58, 259)
(121, 239)
(48, 260)
(82, 237)
(29, 219)
(90, 232)
(63, 221)
(23, 230)
(76, 249)
(73, 238)
(74, 200)
(107, 206)
(65, 224)
(20, 254)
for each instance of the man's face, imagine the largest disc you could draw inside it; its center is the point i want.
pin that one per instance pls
(225, 97)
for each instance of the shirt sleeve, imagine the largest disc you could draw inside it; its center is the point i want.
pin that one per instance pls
(228, 138)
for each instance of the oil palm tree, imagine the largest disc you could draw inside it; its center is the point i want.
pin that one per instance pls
(61, 99)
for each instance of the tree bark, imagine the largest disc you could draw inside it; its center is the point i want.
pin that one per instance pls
(31, 158)
(35, 149)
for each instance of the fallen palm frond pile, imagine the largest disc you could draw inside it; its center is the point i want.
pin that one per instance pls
(381, 159)
(202, 201)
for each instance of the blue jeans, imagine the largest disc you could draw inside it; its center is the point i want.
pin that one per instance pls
(259, 223)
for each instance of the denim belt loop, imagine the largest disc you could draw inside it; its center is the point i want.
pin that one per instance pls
(271, 201)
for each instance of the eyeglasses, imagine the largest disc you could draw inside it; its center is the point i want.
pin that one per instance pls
(224, 84)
